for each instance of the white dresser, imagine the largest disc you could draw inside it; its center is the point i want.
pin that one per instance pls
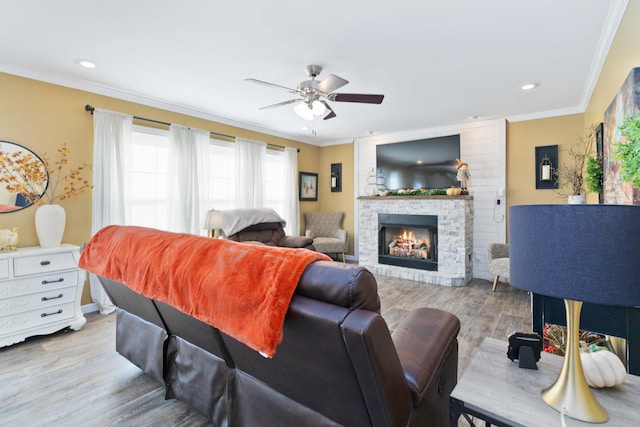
(40, 291)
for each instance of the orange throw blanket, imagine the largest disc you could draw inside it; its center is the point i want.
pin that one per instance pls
(244, 290)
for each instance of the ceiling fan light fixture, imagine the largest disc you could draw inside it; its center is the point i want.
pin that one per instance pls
(303, 110)
(318, 108)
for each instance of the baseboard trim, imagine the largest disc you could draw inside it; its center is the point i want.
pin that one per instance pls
(90, 308)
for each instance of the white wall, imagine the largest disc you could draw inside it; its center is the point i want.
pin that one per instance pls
(483, 147)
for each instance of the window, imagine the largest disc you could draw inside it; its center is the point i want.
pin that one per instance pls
(222, 161)
(146, 178)
(274, 171)
(146, 197)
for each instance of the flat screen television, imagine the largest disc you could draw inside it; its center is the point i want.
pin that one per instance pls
(420, 164)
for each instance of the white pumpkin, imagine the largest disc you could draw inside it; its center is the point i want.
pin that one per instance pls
(602, 368)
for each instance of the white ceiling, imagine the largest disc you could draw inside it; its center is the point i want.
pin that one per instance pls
(436, 62)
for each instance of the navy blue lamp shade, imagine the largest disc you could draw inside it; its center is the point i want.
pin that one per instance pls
(588, 253)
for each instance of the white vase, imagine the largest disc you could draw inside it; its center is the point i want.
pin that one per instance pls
(50, 221)
(577, 200)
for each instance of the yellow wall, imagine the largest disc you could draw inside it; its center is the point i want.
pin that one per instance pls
(310, 162)
(338, 201)
(623, 55)
(522, 138)
(42, 117)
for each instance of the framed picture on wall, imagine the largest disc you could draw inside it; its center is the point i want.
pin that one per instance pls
(308, 187)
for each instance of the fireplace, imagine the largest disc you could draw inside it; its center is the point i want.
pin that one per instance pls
(408, 241)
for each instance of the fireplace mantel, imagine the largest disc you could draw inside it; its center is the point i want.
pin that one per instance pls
(415, 198)
(455, 231)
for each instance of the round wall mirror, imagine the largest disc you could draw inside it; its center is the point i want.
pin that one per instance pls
(23, 177)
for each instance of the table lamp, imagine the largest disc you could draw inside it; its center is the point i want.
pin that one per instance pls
(213, 223)
(579, 253)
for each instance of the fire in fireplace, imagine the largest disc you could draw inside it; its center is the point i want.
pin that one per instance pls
(408, 240)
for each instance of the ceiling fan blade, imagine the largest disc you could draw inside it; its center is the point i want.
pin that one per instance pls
(331, 113)
(356, 97)
(280, 104)
(260, 82)
(331, 83)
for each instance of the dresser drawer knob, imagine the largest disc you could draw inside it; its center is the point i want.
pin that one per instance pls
(45, 262)
(51, 314)
(46, 282)
(50, 298)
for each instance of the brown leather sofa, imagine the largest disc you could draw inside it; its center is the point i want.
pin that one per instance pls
(272, 234)
(337, 363)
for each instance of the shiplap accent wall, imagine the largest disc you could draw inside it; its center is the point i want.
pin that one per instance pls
(483, 147)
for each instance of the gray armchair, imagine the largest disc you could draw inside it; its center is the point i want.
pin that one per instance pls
(325, 228)
(498, 257)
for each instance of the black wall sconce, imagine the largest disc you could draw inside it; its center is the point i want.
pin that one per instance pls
(546, 166)
(336, 177)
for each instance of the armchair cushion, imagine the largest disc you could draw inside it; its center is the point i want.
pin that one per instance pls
(296, 242)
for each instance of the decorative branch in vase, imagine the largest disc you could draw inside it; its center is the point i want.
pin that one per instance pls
(71, 179)
(63, 183)
(24, 174)
(571, 174)
(56, 181)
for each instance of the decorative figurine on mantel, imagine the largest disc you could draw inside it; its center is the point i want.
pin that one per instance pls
(463, 176)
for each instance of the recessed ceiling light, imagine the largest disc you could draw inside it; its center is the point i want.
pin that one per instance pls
(86, 63)
(419, 162)
(530, 86)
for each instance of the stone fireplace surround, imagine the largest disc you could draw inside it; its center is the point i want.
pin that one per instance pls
(455, 236)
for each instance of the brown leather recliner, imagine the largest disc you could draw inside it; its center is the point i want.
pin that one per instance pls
(272, 234)
(337, 363)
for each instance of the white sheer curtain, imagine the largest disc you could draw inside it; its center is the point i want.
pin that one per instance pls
(111, 138)
(291, 204)
(187, 178)
(250, 159)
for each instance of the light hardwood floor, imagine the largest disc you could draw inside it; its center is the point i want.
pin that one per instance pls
(77, 378)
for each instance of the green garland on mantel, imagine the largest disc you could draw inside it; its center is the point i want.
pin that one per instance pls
(434, 192)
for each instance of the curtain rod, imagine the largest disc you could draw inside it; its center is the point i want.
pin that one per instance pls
(91, 109)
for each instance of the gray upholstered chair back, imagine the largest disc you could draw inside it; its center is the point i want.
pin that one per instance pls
(323, 224)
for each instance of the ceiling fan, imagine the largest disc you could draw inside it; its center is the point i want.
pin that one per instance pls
(314, 95)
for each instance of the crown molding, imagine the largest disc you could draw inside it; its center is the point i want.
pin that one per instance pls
(612, 22)
(144, 100)
(545, 114)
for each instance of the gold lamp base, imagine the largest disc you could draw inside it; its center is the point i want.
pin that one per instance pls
(570, 392)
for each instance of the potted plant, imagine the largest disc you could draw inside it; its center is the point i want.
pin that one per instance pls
(628, 152)
(595, 174)
(571, 174)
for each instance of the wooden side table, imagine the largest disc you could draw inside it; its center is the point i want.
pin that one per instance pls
(495, 389)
